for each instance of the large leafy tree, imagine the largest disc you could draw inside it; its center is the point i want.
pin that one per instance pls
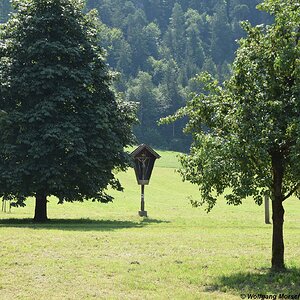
(62, 131)
(246, 131)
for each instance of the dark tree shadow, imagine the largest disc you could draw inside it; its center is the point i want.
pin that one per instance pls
(78, 224)
(263, 281)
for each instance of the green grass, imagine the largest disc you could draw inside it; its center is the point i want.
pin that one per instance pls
(96, 251)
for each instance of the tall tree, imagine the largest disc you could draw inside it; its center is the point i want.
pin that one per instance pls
(62, 129)
(134, 32)
(222, 39)
(194, 49)
(151, 34)
(175, 33)
(118, 50)
(143, 91)
(251, 144)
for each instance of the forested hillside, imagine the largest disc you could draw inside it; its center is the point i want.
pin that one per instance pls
(157, 46)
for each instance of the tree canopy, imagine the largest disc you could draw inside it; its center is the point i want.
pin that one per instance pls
(246, 131)
(172, 41)
(62, 130)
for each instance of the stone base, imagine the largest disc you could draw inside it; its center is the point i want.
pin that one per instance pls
(143, 213)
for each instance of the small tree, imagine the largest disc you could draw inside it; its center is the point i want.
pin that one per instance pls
(247, 131)
(62, 131)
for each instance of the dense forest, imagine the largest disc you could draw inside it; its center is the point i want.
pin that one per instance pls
(157, 46)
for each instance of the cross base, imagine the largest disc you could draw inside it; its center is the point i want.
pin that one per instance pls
(143, 213)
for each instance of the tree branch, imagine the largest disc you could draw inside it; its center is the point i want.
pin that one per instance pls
(291, 192)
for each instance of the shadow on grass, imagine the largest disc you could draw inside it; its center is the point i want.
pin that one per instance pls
(263, 281)
(78, 224)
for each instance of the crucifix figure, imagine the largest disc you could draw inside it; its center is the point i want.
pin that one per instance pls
(143, 164)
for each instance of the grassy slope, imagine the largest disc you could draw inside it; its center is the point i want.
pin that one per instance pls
(95, 251)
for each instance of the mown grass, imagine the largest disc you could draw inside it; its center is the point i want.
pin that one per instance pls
(96, 251)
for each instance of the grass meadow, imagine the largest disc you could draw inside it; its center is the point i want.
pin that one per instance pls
(105, 251)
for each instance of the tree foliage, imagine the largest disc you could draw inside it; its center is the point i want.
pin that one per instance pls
(62, 130)
(192, 35)
(246, 131)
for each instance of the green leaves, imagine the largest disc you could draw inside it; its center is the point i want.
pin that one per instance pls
(240, 128)
(64, 130)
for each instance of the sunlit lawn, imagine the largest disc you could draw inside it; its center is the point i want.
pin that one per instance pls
(97, 251)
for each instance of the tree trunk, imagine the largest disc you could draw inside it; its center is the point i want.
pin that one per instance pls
(40, 207)
(277, 212)
(277, 241)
